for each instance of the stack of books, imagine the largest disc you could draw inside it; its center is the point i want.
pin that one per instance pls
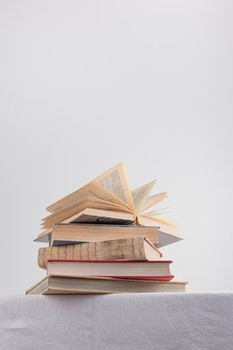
(103, 240)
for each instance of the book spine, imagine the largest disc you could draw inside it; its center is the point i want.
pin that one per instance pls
(130, 249)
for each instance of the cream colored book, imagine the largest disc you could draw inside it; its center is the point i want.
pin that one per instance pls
(135, 248)
(156, 270)
(101, 285)
(62, 234)
(110, 198)
(66, 233)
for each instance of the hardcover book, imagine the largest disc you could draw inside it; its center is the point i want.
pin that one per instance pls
(62, 234)
(98, 285)
(135, 248)
(157, 270)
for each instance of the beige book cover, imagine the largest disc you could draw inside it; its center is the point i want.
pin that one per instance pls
(135, 248)
(62, 234)
(101, 285)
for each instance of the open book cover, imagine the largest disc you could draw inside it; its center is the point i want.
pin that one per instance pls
(108, 199)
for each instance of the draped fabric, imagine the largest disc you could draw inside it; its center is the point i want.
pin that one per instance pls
(117, 322)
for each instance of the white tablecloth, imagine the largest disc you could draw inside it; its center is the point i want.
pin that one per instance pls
(117, 322)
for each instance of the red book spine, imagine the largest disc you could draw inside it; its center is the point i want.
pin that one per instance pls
(144, 278)
(113, 261)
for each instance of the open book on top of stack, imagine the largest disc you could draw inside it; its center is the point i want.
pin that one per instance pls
(102, 239)
(108, 200)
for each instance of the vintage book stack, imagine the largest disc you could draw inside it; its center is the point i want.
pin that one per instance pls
(103, 240)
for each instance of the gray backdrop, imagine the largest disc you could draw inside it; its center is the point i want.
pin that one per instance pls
(85, 84)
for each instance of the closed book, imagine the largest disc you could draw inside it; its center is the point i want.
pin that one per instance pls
(62, 234)
(135, 248)
(132, 269)
(100, 285)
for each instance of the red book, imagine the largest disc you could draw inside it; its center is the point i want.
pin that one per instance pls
(157, 270)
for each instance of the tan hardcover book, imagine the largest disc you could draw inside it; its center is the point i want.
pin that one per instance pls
(156, 270)
(101, 285)
(62, 234)
(135, 248)
(164, 237)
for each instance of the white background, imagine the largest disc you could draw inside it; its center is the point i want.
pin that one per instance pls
(85, 84)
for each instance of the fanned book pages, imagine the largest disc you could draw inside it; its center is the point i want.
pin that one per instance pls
(108, 199)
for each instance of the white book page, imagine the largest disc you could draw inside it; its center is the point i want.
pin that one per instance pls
(139, 194)
(115, 181)
(151, 201)
(90, 190)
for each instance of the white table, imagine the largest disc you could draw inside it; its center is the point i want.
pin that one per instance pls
(117, 322)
